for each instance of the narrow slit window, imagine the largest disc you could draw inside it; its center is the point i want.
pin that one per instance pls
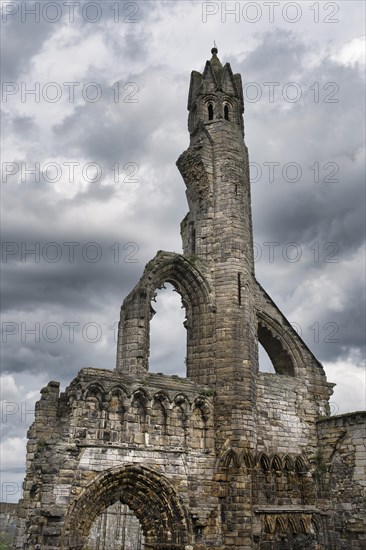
(226, 112)
(210, 111)
(239, 289)
(193, 240)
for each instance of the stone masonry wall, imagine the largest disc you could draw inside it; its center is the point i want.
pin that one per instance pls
(8, 521)
(283, 415)
(117, 527)
(342, 476)
(103, 422)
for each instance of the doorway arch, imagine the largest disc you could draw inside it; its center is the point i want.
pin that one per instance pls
(155, 502)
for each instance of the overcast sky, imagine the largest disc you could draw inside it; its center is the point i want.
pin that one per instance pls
(89, 181)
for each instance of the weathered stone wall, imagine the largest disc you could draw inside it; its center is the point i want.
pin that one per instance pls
(83, 441)
(341, 469)
(284, 409)
(117, 527)
(103, 422)
(8, 521)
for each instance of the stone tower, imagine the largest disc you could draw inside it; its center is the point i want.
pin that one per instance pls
(228, 457)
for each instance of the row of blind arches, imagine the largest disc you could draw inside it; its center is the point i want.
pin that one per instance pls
(95, 391)
(268, 463)
(107, 415)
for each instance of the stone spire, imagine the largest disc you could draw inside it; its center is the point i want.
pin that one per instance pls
(216, 85)
(215, 61)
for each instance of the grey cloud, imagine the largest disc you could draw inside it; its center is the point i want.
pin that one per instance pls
(153, 134)
(278, 54)
(20, 42)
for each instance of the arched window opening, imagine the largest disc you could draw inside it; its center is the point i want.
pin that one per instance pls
(168, 336)
(265, 363)
(264, 462)
(159, 419)
(115, 415)
(116, 527)
(226, 112)
(276, 350)
(210, 111)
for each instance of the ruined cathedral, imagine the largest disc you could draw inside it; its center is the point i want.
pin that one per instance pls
(228, 457)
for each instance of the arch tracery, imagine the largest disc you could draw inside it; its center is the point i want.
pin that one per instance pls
(152, 498)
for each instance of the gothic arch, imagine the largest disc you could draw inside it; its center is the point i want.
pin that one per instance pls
(182, 400)
(163, 398)
(276, 464)
(301, 466)
(139, 410)
(118, 390)
(96, 391)
(210, 107)
(247, 459)
(136, 313)
(230, 459)
(93, 411)
(162, 515)
(288, 464)
(159, 418)
(229, 109)
(278, 344)
(264, 462)
(115, 415)
(181, 273)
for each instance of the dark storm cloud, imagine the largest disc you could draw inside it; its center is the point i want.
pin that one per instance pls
(111, 130)
(309, 214)
(306, 133)
(324, 301)
(103, 139)
(20, 42)
(152, 133)
(24, 126)
(45, 209)
(63, 359)
(332, 334)
(136, 40)
(277, 54)
(324, 219)
(82, 283)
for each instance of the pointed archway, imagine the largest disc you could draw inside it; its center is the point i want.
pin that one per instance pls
(153, 499)
(134, 327)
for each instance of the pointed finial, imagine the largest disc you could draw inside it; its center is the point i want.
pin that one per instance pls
(215, 61)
